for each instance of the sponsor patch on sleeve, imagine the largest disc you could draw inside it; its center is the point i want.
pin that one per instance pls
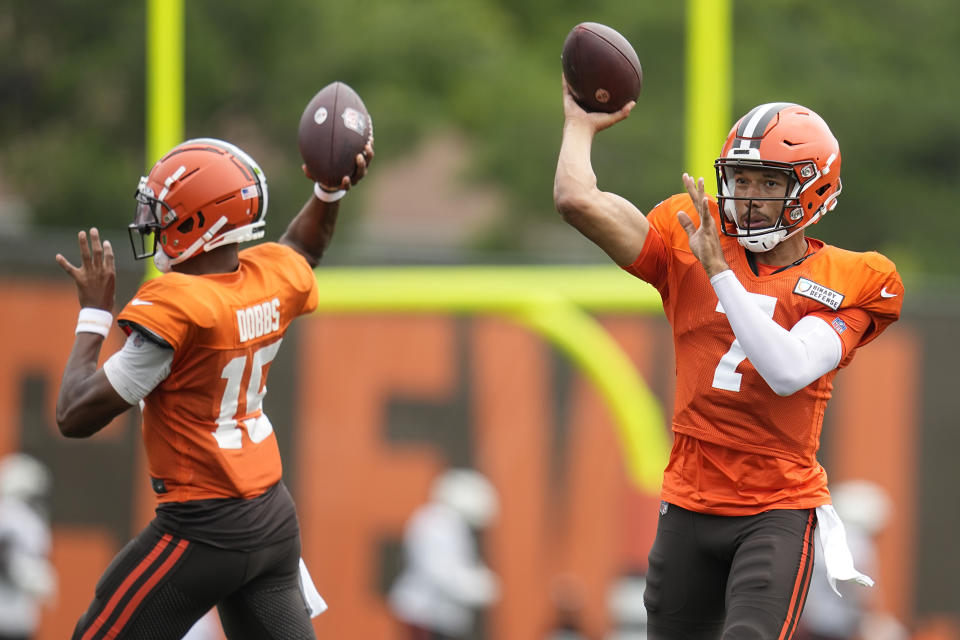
(818, 292)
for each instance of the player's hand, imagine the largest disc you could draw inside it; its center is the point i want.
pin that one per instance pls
(96, 277)
(363, 166)
(704, 240)
(597, 120)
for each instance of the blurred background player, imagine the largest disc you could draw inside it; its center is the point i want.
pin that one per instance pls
(200, 341)
(763, 317)
(567, 597)
(27, 579)
(628, 616)
(206, 628)
(444, 579)
(852, 614)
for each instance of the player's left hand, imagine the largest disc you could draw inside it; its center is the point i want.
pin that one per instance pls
(96, 277)
(704, 240)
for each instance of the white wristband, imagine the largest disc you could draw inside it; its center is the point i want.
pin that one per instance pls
(327, 196)
(92, 320)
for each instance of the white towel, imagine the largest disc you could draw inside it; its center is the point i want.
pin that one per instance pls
(836, 554)
(315, 602)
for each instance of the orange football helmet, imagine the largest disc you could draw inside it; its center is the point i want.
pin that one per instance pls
(790, 138)
(204, 193)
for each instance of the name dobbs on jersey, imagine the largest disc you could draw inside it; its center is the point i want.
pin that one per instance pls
(258, 320)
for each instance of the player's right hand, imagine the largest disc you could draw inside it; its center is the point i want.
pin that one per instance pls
(96, 277)
(598, 120)
(363, 166)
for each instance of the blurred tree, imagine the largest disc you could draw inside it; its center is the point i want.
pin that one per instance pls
(71, 104)
(881, 73)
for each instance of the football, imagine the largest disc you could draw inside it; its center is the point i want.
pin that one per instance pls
(334, 128)
(601, 68)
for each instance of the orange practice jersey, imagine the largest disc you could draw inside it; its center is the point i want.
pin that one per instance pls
(739, 448)
(204, 429)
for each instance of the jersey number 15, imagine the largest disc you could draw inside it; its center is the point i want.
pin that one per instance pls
(229, 435)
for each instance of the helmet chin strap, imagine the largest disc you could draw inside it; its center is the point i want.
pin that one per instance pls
(162, 261)
(767, 241)
(210, 241)
(762, 242)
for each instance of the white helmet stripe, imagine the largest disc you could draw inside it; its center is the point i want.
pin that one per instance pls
(755, 123)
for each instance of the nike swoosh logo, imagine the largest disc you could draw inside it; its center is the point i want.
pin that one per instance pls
(136, 302)
(886, 294)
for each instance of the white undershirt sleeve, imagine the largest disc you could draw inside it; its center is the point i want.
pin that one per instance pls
(787, 360)
(138, 367)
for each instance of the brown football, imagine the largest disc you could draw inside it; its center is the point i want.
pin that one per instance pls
(334, 128)
(601, 68)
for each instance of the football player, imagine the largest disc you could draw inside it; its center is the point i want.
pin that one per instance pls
(444, 580)
(763, 317)
(28, 581)
(200, 340)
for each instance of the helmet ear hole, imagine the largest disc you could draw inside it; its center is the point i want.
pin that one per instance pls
(186, 226)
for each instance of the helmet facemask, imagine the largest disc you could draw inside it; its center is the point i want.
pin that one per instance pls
(147, 221)
(734, 224)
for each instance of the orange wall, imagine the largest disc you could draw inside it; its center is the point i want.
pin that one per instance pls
(874, 437)
(569, 521)
(362, 488)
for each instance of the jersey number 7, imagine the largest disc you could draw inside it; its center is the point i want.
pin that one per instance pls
(725, 376)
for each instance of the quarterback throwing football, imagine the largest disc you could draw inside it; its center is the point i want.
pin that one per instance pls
(763, 317)
(200, 340)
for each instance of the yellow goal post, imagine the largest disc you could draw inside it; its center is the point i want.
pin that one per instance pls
(557, 303)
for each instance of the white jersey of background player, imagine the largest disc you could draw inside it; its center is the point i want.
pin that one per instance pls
(27, 579)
